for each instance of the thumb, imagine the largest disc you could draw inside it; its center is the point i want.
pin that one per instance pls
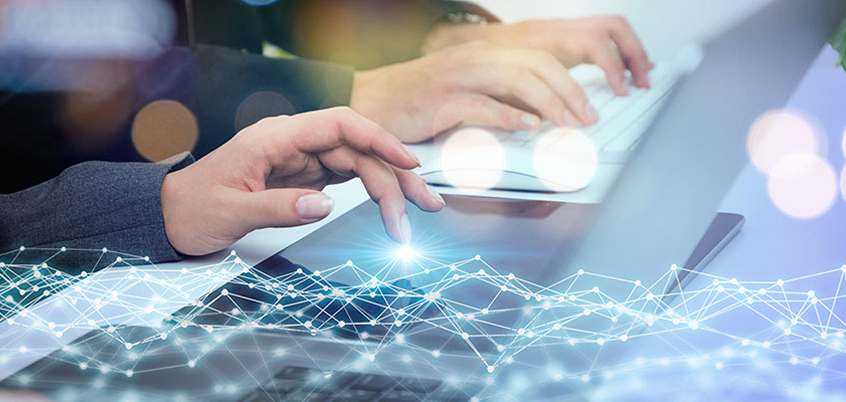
(284, 207)
(489, 112)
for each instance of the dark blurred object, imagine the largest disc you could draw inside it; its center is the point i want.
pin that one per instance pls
(360, 33)
(60, 108)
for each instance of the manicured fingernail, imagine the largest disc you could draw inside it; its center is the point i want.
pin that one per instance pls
(530, 121)
(571, 120)
(437, 196)
(314, 206)
(405, 229)
(412, 156)
(592, 113)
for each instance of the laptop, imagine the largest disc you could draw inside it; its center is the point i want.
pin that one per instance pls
(458, 315)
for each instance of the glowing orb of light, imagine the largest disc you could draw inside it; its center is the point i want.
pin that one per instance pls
(843, 185)
(164, 128)
(406, 253)
(802, 185)
(565, 159)
(472, 158)
(844, 142)
(779, 133)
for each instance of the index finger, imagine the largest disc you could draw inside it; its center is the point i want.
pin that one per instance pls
(631, 49)
(324, 130)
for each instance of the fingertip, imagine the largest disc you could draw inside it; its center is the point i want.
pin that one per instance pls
(395, 219)
(437, 199)
(592, 114)
(641, 77)
(571, 120)
(529, 121)
(405, 229)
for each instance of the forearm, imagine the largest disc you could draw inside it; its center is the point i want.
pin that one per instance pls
(93, 205)
(364, 34)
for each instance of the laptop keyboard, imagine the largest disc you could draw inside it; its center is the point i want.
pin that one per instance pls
(622, 120)
(303, 384)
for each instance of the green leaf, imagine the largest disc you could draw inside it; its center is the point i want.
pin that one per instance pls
(838, 42)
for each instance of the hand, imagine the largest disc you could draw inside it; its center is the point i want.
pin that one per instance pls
(609, 42)
(474, 82)
(270, 174)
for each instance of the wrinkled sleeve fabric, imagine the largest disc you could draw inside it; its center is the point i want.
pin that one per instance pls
(93, 205)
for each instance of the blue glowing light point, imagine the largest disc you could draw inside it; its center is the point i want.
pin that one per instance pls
(406, 253)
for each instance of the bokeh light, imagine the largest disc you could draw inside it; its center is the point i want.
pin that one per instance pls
(843, 183)
(164, 128)
(779, 133)
(87, 29)
(258, 2)
(844, 142)
(259, 105)
(802, 185)
(565, 159)
(472, 158)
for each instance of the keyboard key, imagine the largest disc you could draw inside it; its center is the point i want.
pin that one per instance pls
(356, 396)
(374, 382)
(265, 396)
(403, 396)
(283, 385)
(422, 385)
(296, 373)
(461, 393)
(302, 396)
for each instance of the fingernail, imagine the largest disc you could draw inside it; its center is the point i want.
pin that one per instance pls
(314, 206)
(530, 121)
(592, 113)
(571, 120)
(412, 156)
(624, 87)
(405, 229)
(437, 196)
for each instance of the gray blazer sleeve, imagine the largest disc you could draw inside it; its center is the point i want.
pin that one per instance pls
(93, 205)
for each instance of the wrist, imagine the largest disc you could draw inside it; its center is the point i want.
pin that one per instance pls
(170, 201)
(448, 34)
(361, 96)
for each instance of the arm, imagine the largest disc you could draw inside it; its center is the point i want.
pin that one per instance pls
(268, 175)
(93, 205)
(361, 33)
(60, 125)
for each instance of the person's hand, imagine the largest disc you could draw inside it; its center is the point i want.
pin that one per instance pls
(609, 42)
(270, 174)
(476, 82)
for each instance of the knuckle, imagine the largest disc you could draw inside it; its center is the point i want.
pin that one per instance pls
(343, 111)
(618, 20)
(544, 57)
